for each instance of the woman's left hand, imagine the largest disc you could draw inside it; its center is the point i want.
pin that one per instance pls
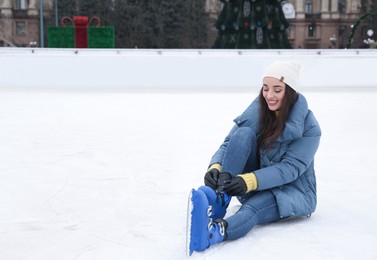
(236, 187)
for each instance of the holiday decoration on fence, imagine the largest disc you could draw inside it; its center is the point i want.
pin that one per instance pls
(252, 24)
(80, 32)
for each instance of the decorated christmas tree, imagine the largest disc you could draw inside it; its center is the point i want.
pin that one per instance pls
(252, 24)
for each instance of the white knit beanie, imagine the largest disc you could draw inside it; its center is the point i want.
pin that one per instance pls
(285, 71)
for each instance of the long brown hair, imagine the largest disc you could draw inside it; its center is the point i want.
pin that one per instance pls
(271, 125)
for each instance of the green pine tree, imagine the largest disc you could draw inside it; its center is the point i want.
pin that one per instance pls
(67, 8)
(252, 24)
(151, 28)
(196, 24)
(172, 23)
(99, 8)
(364, 31)
(120, 23)
(129, 23)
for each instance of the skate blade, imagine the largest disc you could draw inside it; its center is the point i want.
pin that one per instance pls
(190, 207)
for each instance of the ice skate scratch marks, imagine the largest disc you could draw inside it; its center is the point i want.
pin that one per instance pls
(57, 192)
(83, 251)
(110, 240)
(49, 201)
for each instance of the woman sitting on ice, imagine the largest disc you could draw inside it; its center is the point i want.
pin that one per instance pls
(267, 161)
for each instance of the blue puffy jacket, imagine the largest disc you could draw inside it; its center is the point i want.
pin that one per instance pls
(287, 169)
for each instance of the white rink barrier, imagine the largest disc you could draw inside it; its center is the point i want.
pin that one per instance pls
(184, 68)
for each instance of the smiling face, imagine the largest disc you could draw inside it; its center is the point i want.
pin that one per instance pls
(273, 93)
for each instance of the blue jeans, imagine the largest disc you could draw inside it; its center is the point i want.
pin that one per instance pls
(257, 207)
(241, 153)
(261, 208)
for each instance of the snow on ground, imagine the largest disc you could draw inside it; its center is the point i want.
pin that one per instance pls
(106, 174)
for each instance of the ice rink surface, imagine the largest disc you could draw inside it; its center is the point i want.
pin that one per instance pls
(106, 174)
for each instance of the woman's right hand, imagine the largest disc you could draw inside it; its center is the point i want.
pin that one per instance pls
(211, 178)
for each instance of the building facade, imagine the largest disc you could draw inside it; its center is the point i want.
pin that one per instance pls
(321, 23)
(20, 22)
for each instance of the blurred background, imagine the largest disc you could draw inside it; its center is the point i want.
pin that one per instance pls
(225, 24)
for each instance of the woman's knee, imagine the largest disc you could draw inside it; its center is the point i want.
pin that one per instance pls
(244, 135)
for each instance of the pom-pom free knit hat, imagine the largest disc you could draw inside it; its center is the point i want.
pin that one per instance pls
(285, 71)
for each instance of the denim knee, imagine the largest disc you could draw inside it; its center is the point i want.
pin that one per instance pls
(241, 153)
(244, 135)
